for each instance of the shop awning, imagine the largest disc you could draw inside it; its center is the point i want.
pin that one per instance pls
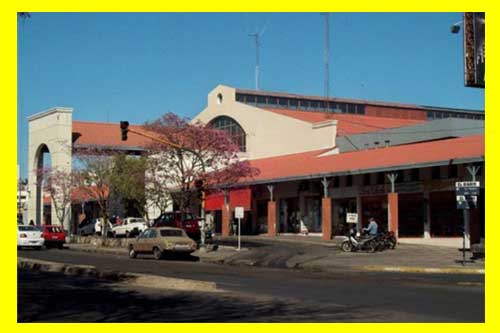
(240, 197)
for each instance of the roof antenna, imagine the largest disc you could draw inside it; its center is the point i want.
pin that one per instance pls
(257, 37)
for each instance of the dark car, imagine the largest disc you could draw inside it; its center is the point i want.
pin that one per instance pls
(186, 221)
(54, 236)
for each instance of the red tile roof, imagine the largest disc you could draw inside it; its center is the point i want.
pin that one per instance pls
(310, 163)
(106, 134)
(348, 124)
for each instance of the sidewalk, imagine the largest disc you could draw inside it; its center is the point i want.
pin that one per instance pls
(314, 254)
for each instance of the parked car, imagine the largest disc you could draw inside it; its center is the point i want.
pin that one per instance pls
(29, 236)
(54, 236)
(86, 227)
(130, 227)
(186, 221)
(160, 241)
(98, 227)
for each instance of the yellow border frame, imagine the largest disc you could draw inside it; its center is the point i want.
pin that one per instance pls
(8, 134)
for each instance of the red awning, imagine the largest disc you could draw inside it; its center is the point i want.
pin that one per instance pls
(242, 197)
(214, 201)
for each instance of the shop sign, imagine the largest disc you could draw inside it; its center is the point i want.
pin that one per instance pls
(373, 190)
(351, 218)
(239, 212)
(412, 187)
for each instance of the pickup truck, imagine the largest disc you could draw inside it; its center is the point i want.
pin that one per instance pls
(130, 227)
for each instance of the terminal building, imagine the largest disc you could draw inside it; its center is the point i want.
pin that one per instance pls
(319, 159)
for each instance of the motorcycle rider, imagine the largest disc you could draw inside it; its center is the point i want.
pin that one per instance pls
(372, 228)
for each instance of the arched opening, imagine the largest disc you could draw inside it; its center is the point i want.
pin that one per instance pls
(43, 206)
(236, 132)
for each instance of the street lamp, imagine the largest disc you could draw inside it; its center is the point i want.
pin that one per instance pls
(455, 28)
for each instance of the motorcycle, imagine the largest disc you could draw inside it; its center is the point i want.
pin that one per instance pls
(386, 240)
(363, 243)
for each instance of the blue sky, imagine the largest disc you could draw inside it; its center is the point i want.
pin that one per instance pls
(137, 66)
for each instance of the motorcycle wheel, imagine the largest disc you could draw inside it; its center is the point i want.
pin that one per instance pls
(371, 246)
(346, 246)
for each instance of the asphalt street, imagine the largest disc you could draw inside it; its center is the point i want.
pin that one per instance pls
(263, 294)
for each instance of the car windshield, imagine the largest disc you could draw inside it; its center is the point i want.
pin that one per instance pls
(136, 220)
(27, 228)
(171, 233)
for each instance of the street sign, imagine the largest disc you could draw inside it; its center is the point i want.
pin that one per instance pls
(351, 218)
(467, 184)
(239, 212)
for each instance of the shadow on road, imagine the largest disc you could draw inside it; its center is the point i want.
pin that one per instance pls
(54, 297)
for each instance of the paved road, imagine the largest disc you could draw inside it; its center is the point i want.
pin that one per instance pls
(368, 297)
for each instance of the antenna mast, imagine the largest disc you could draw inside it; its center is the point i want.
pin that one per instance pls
(327, 54)
(257, 58)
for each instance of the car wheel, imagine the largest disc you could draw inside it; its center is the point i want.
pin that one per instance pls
(60, 246)
(131, 253)
(157, 253)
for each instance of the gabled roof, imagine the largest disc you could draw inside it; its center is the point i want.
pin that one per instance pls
(106, 134)
(348, 124)
(311, 164)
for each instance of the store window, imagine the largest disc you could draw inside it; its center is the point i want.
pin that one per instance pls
(348, 181)
(436, 172)
(414, 175)
(366, 179)
(453, 171)
(236, 132)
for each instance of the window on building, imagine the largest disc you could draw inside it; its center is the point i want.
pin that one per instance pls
(240, 98)
(439, 115)
(436, 172)
(304, 105)
(380, 178)
(236, 132)
(261, 101)
(366, 179)
(453, 171)
(415, 175)
(293, 104)
(348, 181)
(250, 99)
(430, 114)
(335, 182)
(314, 105)
(360, 109)
(401, 176)
(272, 101)
(283, 102)
(351, 108)
(322, 106)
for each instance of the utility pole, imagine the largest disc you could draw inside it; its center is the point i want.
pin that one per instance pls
(256, 36)
(326, 54)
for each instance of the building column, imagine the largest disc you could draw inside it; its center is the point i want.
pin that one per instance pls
(226, 220)
(393, 213)
(271, 218)
(326, 218)
(427, 215)
(359, 211)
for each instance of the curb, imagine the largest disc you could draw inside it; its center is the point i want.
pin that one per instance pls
(134, 279)
(428, 270)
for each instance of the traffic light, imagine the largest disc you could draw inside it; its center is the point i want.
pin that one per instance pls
(124, 128)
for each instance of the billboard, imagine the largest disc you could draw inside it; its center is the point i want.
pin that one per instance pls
(474, 49)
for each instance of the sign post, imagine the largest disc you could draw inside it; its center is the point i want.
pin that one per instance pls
(239, 213)
(466, 194)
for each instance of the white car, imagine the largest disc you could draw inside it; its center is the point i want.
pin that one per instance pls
(131, 226)
(29, 236)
